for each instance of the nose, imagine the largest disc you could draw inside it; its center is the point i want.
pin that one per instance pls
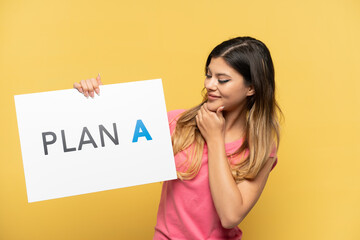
(210, 84)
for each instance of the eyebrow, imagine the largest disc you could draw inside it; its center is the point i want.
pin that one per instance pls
(222, 74)
(219, 74)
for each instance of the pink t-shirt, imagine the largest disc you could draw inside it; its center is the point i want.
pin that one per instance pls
(186, 209)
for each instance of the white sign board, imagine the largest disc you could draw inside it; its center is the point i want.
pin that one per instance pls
(74, 145)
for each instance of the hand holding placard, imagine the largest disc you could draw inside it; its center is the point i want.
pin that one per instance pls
(88, 86)
(72, 145)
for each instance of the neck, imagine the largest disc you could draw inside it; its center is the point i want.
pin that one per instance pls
(235, 122)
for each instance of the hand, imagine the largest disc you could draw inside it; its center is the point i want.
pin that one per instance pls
(88, 86)
(211, 124)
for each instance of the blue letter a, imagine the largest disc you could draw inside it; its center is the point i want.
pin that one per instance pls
(141, 131)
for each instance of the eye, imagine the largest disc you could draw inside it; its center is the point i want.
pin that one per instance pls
(207, 75)
(223, 81)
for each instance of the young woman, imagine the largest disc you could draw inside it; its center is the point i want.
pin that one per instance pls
(224, 148)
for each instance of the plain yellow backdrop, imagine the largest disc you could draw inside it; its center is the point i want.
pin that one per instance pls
(313, 193)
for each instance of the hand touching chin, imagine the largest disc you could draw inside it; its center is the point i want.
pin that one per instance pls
(213, 105)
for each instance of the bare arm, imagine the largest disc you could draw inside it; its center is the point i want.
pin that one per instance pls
(232, 201)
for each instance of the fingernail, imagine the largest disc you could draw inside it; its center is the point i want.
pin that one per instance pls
(97, 91)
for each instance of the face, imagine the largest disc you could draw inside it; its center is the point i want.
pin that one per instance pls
(225, 86)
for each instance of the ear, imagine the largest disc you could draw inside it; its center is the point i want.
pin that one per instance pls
(251, 91)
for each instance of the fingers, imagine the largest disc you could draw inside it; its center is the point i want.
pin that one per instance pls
(204, 106)
(98, 79)
(204, 112)
(89, 86)
(96, 86)
(219, 113)
(85, 88)
(78, 87)
(219, 110)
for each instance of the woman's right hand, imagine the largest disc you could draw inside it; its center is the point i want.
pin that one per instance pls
(89, 86)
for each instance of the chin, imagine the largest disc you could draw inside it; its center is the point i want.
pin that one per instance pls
(213, 106)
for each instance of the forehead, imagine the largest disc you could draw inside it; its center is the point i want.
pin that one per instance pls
(220, 66)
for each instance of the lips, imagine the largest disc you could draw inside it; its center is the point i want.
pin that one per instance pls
(212, 96)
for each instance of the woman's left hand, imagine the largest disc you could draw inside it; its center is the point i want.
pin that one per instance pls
(211, 124)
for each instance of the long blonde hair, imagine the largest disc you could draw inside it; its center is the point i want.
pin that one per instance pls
(252, 59)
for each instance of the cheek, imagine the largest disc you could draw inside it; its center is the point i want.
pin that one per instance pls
(234, 98)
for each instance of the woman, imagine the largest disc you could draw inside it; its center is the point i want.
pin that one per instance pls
(224, 148)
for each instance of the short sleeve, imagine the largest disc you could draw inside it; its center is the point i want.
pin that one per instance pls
(173, 116)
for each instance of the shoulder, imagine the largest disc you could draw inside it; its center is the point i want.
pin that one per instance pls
(173, 115)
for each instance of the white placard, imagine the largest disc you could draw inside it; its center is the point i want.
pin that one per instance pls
(74, 145)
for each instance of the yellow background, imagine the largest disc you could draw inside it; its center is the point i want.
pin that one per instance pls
(313, 193)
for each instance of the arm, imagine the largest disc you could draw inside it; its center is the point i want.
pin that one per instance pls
(232, 201)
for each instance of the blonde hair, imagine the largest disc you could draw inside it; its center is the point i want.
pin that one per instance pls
(252, 60)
